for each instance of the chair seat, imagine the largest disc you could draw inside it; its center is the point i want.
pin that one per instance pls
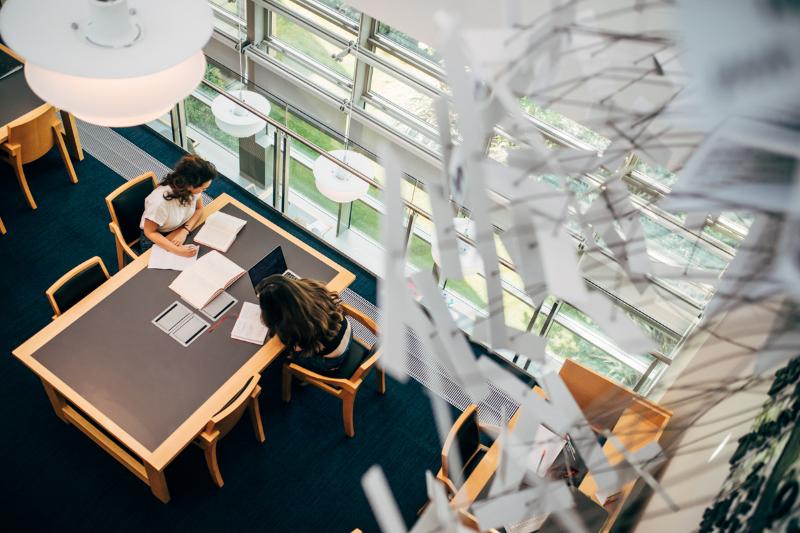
(356, 354)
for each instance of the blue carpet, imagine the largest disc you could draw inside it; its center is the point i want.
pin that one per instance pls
(306, 477)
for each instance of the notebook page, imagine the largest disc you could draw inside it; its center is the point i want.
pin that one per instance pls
(248, 326)
(195, 285)
(219, 231)
(218, 270)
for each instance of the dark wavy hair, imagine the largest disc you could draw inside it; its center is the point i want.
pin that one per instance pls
(302, 313)
(191, 171)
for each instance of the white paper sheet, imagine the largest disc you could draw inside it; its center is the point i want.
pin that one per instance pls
(165, 260)
(383, 504)
(248, 326)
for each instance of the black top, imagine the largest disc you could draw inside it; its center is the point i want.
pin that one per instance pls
(331, 345)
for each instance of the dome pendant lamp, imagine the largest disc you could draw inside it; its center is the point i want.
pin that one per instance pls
(110, 62)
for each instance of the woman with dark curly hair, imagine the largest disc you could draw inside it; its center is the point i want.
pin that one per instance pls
(308, 319)
(174, 208)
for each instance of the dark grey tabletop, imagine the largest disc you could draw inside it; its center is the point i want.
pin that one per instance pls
(16, 98)
(137, 375)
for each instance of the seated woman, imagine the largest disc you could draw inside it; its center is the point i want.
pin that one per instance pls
(309, 321)
(174, 208)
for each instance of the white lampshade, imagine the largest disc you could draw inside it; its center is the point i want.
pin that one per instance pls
(338, 184)
(471, 262)
(114, 62)
(235, 120)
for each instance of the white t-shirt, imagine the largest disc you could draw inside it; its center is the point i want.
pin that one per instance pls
(168, 214)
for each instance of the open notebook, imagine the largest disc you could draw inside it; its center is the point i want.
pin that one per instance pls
(206, 279)
(219, 231)
(248, 326)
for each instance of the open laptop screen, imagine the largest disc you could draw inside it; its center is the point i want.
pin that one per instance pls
(272, 263)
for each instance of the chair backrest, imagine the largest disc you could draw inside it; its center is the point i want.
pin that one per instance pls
(36, 135)
(126, 204)
(73, 286)
(232, 412)
(464, 436)
(601, 400)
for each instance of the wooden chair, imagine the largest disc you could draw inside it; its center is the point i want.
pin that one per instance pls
(225, 420)
(464, 436)
(351, 375)
(73, 286)
(30, 140)
(126, 205)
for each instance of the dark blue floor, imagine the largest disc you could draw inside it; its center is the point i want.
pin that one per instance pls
(306, 477)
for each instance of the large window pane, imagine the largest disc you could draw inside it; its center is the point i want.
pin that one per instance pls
(410, 44)
(565, 344)
(339, 29)
(403, 96)
(341, 8)
(415, 134)
(566, 125)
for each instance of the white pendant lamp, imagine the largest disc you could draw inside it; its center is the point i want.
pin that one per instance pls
(235, 120)
(470, 259)
(110, 62)
(331, 179)
(336, 183)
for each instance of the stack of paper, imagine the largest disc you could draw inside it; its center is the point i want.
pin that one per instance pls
(206, 279)
(219, 231)
(166, 260)
(248, 326)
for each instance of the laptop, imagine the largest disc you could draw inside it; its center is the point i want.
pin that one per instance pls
(272, 263)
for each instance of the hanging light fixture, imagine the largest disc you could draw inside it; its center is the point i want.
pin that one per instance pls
(235, 120)
(331, 179)
(338, 184)
(110, 62)
(470, 259)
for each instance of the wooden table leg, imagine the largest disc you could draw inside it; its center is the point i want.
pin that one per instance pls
(73, 139)
(2, 227)
(56, 400)
(157, 482)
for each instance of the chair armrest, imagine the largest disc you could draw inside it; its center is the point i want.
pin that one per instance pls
(118, 235)
(365, 366)
(306, 373)
(11, 149)
(208, 437)
(361, 317)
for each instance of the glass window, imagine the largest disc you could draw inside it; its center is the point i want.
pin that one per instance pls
(235, 7)
(162, 125)
(563, 343)
(345, 32)
(412, 70)
(232, 19)
(415, 134)
(341, 8)
(657, 174)
(403, 96)
(410, 44)
(566, 125)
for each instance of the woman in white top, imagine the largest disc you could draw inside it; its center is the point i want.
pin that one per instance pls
(174, 208)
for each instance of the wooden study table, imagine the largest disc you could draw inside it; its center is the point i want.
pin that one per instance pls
(20, 103)
(131, 388)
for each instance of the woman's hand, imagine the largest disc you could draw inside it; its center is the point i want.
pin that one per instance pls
(178, 236)
(187, 250)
